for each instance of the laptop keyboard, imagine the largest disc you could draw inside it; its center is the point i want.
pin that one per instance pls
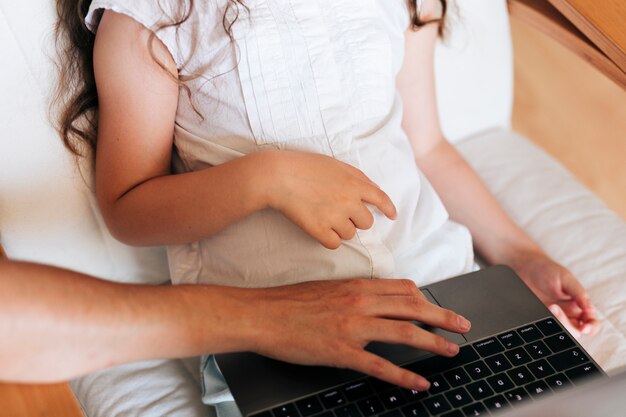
(487, 376)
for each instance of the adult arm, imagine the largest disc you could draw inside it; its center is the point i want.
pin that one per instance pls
(496, 237)
(57, 324)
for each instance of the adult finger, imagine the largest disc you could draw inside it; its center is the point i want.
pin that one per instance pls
(409, 334)
(380, 368)
(381, 200)
(420, 309)
(383, 287)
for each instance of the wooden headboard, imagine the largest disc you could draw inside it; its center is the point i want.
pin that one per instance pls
(573, 32)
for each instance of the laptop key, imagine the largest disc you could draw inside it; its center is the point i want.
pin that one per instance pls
(529, 333)
(549, 326)
(500, 383)
(478, 370)
(488, 347)
(582, 372)
(287, 410)
(309, 406)
(457, 377)
(558, 381)
(466, 355)
(537, 389)
(559, 342)
(568, 359)
(518, 356)
(520, 375)
(348, 410)
(415, 410)
(510, 339)
(333, 398)
(497, 403)
(371, 406)
(455, 413)
(480, 390)
(392, 399)
(475, 410)
(357, 390)
(415, 395)
(380, 386)
(498, 363)
(263, 414)
(392, 413)
(458, 397)
(537, 349)
(517, 395)
(437, 405)
(540, 369)
(437, 384)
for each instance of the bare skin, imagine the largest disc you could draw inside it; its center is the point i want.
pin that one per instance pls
(90, 324)
(143, 204)
(496, 237)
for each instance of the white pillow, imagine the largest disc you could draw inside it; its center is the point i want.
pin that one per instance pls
(474, 69)
(47, 212)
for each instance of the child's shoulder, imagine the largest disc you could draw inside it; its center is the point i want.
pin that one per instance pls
(174, 22)
(158, 14)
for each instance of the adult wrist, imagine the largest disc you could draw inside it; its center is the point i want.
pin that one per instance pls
(255, 322)
(235, 318)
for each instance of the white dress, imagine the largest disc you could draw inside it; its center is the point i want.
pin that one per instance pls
(317, 76)
(308, 75)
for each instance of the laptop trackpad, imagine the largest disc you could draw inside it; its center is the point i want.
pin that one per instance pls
(400, 354)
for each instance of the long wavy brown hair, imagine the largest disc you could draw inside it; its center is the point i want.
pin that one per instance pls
(75, 102)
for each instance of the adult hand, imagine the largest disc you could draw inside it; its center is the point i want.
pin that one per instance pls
(323, 196)
(557, 287)
(330, 322)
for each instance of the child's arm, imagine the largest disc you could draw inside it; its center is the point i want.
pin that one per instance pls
(497, 238)
(143, 204)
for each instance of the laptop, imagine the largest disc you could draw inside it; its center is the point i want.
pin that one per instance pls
(515, 352)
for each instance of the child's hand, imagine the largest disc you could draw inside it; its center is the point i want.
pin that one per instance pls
(559, 290)
(323, 196)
